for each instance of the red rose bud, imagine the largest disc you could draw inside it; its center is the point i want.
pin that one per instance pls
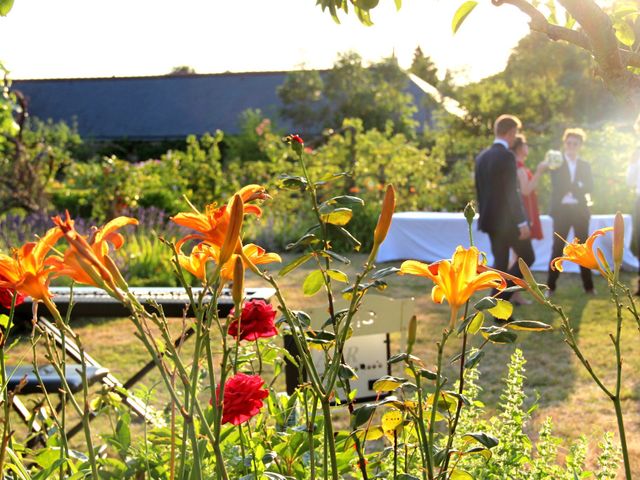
(256, 321)
(243, 398)
(296, 142)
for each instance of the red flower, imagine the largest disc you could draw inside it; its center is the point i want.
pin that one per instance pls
(297, 138)
(243, 397)
(6, 295)
(256, 321)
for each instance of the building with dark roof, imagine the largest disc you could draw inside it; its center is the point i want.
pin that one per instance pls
(163, 107)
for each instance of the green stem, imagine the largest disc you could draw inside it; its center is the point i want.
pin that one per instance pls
(5, 391)
(616, 399)
(420, 424)
(331, 446)
(436, 399)
(623, 438)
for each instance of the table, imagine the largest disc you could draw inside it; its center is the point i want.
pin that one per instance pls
(431, 236)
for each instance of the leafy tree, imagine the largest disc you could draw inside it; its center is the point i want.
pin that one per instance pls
(182, 70)
(376, 94)
(32, 154)
(424, 67)
(301, 95)
(606, 32)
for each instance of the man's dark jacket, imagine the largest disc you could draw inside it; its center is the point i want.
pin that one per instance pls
(499, 200)
(561, 184)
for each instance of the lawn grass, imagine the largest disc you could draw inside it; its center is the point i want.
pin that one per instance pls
(566, 392)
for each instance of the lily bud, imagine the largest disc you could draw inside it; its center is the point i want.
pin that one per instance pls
(384, 221)
(618, 242)
(411, 337)
(233, 231)
(529, 281)
(237, 289)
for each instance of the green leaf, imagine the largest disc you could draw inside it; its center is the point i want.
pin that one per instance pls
(335, 256)
(338, 276)
(476, 323)
(401, 357)
(340, 216)
(335, 230)
(346, 372)
(291, 182)
(461, 14)
(486, 303)
(123, 434)
(387, 383)
(474, 359)
(306, 239)
(5, 7)
(313, 283)
(363, 414)
(4, 321)
(291, 266)
(502, 310)
(528, 325)
(343, 201)
(498, 334)
(384, 272)
(485, 439)
(303, 318)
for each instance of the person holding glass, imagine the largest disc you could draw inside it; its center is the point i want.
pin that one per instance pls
(528, 183)
(571, 187)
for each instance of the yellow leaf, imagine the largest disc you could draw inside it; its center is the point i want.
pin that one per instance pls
(476, 323)
(340, 216)
(387, 384)
(502, 310)
(391, 419)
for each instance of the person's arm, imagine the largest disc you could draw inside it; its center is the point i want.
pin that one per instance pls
(529, 185)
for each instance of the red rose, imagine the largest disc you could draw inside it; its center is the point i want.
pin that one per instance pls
(243, 397)
(6, 295)
(256, 321)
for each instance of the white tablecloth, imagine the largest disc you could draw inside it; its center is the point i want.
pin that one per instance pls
(431, 236)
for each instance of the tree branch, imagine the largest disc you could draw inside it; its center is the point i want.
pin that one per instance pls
(597, 37)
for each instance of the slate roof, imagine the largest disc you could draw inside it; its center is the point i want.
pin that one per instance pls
(161, 107)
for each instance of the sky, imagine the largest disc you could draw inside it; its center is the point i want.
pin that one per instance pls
(100, 38)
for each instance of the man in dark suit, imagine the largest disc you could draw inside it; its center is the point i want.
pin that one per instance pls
(571, 186)
(502, 215)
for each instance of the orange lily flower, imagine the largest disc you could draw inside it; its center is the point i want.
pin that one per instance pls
(456, 279)
(213, 224)
(196, 262)
(581, 253)
(255, 254)
(87, 260)
(26, 270)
